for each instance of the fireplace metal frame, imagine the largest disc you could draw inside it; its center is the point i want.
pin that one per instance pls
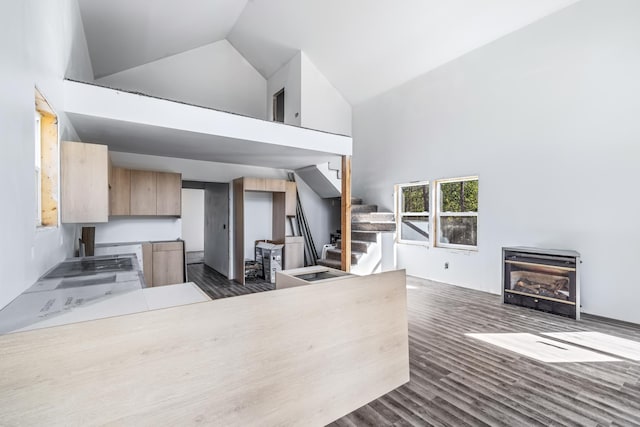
(542, 255)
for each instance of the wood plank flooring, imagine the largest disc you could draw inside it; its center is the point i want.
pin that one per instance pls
(459, 381)
(217, 286)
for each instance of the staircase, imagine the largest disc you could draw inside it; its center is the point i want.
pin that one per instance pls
(368, 230)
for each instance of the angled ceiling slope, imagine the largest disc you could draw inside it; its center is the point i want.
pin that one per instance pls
(363, 47)
(122, 34)
(367, 47)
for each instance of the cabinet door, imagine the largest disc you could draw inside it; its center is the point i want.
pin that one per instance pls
(290, 199)
(168, 266)
(84, 182)
(120, 192)
(293, 252)
(143, 193)
(147, 263)
(169, 194)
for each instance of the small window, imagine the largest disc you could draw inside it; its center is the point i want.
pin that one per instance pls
(46, 162)
(413, 212)
(457, 216)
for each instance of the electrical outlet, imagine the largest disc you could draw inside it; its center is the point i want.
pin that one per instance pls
(446, 265)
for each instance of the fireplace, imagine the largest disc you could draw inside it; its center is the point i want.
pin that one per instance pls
(542, 279)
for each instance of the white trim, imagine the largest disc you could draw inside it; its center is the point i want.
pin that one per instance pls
(37, 144)
(399, 214)
(459, 214)
(438, 215)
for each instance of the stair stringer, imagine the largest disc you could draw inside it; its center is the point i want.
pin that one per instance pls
(370, 262)
(322, 179)
(380, 257)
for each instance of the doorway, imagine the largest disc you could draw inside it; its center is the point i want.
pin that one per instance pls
(278, 106)
(205, 224)
(193, 224)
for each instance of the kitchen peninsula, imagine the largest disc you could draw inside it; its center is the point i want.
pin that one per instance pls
(305, 348)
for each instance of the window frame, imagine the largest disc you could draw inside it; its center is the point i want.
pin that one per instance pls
(439, 213)
(48, 185)
(38, 165)
(400, 214)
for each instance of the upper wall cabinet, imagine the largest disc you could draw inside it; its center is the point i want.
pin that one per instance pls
(291, 198)
(119, 192)
(145, 193)
(168, 194)
(84, 182)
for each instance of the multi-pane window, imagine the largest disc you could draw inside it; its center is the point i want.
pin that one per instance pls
(413, 212)
(457, 213)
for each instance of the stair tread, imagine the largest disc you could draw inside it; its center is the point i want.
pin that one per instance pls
(364, 208)
(373, 213)
(367, 242)
(353, 253)
(374, 222)
(387, 226)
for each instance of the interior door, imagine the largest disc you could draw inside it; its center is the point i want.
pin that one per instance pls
(216, 227)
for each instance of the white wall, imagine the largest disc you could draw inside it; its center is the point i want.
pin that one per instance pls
(41, 42)
(193, 219)
(214, 75)
(323, 107)
(310, 100)
(131, 229)
(323, 215)
(288, 77)
(547, 118)
(258, 220)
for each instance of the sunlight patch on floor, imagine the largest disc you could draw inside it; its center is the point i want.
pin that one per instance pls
(543, 349)
(602, 342)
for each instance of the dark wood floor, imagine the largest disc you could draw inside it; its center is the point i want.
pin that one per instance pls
(217, 286)
(458, 381)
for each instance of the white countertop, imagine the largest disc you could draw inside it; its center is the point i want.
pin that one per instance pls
(135, 301)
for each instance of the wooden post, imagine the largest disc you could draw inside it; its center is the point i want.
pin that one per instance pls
(345, 227)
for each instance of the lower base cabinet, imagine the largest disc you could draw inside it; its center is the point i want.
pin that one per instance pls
(168, 263)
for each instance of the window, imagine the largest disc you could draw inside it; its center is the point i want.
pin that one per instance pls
(46, 162)
(457, 213)
(38, 166)
(413, 212)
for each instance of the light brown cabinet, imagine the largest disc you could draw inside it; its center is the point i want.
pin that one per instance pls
(84, 182)
(291, 198)
(168, 194)
(143, 195)
(120, 192)
(284, 204)
(168, 263)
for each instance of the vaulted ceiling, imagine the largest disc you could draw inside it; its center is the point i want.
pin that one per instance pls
(123, 34)
(364, 47)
